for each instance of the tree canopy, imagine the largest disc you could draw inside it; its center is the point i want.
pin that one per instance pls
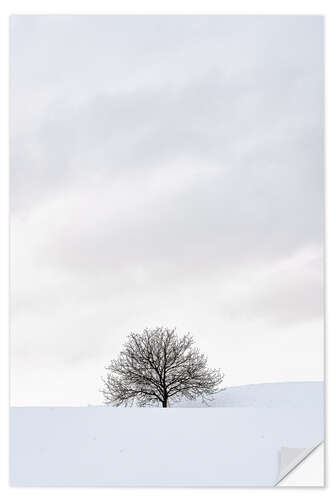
(156, 367)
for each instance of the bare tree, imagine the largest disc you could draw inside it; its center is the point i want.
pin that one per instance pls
(158, 366)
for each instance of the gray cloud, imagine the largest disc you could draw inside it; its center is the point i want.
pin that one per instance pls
(288, 294)
(158, 163)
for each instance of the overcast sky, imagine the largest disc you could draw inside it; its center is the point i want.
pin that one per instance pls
(165, 171)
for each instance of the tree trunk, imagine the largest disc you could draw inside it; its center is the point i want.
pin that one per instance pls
(165, 403)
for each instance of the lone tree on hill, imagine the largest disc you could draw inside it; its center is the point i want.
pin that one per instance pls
(157, 366)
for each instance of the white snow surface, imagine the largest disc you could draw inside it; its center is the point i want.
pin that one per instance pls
(234, 444)
(278, 395)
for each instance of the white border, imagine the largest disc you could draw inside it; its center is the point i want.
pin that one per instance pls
(282, 7)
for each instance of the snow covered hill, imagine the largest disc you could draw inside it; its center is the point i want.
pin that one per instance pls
(278, 395)
(234, 445)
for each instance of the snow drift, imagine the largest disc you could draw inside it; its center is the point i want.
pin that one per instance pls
(222, 446)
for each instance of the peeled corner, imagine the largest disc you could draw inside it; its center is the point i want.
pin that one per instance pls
(291, 458)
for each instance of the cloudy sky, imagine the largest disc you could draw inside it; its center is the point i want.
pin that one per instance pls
(165, 171)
